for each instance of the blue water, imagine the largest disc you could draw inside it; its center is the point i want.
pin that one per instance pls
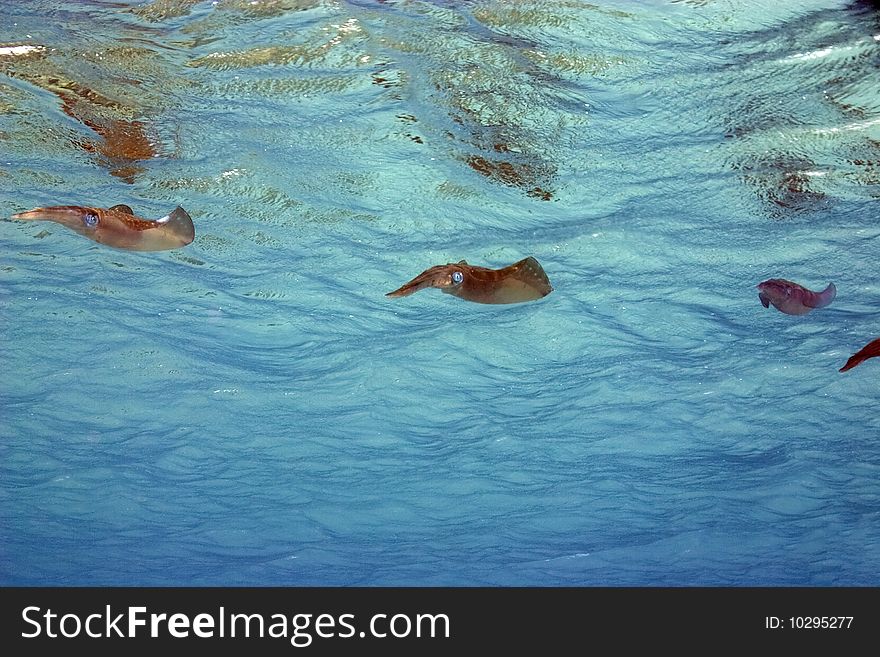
(251, 409)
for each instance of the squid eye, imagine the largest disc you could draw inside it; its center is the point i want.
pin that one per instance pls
(90, 219)
(457, 277)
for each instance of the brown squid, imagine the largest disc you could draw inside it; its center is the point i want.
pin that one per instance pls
(870, 350)
(522, 281)
(793, 299)
(119, 227)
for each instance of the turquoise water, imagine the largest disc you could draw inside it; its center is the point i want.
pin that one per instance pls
(251, 409)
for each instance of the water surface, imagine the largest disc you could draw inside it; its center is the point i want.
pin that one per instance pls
(251, 409)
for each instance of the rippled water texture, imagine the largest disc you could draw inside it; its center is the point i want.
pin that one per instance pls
(251, 409)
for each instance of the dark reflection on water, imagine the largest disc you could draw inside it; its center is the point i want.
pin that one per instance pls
(801, 126)
(114, 88)
(117, 77)
(480, 83)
